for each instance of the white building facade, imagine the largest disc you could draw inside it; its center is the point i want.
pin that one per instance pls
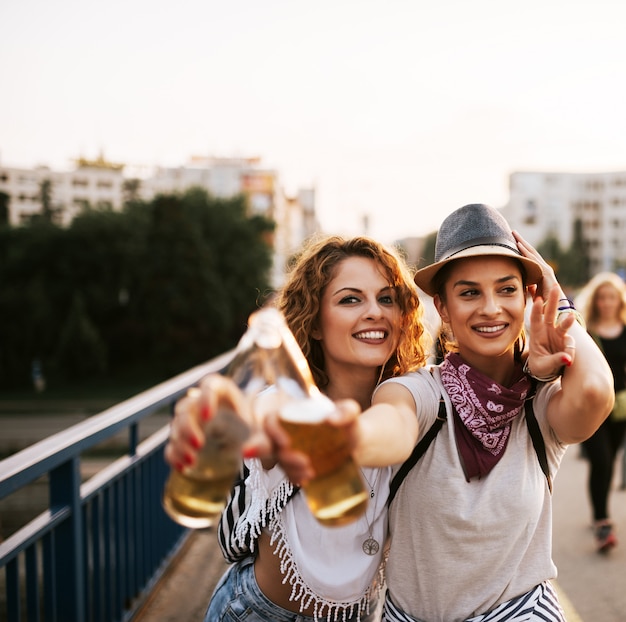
(543, 204)
(295, 217)
(94, 183)
(100, 185)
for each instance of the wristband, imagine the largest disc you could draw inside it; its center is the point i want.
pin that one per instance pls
(558, 374)
(579, 318)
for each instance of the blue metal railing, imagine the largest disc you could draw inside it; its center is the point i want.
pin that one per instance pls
(96, 551)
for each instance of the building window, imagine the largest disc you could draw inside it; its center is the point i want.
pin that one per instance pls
(530, 212)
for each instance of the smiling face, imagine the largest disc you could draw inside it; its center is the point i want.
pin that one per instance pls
(483, 302)
(359, 318)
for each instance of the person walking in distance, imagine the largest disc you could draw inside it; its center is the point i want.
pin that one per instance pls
(603, 304)
(355, 313)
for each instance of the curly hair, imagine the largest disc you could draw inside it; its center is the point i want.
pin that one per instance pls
(310, 273)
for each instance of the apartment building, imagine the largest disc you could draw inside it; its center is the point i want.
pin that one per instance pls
(543, 204)
(100, 184)
(96, 183)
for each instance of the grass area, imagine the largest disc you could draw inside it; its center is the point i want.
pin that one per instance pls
(105, 391)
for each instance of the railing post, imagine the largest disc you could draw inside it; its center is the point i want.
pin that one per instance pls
(68, 542)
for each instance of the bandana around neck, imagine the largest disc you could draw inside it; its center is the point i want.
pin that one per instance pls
(484, 411)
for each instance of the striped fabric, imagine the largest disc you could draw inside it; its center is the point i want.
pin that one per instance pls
(232, 549)
(236, 535)
(541, 604)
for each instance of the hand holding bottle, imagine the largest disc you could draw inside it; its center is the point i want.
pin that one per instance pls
(205, 450)
(269, 374)
(215, 421)
(296, 464)
(198, 406)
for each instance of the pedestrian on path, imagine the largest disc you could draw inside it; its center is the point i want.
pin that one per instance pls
(603, 305)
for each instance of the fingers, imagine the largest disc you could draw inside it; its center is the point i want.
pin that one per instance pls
(345, 413)
(260, 446)
(524, 247)
(186, 436)
(297, 467)
(193, 410)
(217, 390)
(275, 432)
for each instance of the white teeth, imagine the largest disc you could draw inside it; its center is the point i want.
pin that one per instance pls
(371, 334)
(489, 329)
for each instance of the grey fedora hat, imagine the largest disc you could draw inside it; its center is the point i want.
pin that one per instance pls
(472, 231)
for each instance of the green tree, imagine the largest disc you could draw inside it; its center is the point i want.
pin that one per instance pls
(130, 190)
(550, 249)
(428, 252)
(4, 208)
(49, 213)
(575, 264)
(571, 265)
(81, 352)
(163, 285)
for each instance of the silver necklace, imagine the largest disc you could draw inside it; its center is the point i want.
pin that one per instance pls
(371, 546)
(372, 491)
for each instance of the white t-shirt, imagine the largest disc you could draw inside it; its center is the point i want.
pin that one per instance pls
(459, 548)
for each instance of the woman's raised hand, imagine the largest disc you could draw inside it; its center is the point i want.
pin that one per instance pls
(550, 345)
(548, 282)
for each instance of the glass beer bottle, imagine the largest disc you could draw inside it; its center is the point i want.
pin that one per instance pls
(196, 496)
(336, 495)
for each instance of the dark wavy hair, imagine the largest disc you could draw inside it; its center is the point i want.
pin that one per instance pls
(311, 271)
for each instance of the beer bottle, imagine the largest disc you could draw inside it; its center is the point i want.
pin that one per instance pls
(196, 496)
(336, 495)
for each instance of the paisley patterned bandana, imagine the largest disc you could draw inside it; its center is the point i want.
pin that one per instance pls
(483, 410)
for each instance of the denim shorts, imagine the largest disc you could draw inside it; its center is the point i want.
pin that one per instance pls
(237, 598)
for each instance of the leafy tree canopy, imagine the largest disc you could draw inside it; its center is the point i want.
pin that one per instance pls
(152, 290)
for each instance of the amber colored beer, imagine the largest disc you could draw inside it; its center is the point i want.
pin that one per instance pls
(196, 497)
(336, 496)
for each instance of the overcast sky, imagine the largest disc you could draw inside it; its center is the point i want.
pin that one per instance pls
(401, 110)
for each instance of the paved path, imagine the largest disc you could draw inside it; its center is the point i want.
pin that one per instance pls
(594, 584)
(592, 587)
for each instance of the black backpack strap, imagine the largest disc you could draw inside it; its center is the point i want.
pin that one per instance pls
(422, 446)
(537, 439)
(418, 451)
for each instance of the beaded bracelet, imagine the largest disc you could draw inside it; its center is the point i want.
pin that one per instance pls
(558, 374)
(569, 305)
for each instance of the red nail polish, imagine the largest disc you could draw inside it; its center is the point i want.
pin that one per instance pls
(566, 361)
(195, 442)
(204, 412)
(250, 452)
(179, 466)
(189, 459)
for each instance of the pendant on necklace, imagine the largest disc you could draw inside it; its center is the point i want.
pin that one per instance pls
(370, 546)
(372, 493)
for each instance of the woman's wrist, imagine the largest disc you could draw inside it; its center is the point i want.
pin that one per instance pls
(550, 378)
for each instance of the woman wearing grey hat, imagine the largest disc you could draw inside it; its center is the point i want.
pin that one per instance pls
(470, 514)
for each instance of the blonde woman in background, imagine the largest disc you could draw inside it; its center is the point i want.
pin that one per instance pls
(603, 305)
